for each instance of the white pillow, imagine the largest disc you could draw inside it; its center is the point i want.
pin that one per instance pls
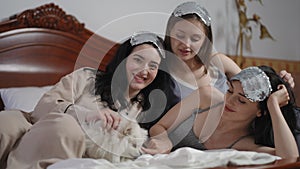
(22, 98)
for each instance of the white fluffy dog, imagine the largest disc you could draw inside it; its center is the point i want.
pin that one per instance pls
(116, 145)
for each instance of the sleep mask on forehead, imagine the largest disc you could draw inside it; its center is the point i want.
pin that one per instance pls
(255, 83)
(139, 38)
(193, 8)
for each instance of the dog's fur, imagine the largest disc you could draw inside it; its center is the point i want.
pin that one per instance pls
(118, 145)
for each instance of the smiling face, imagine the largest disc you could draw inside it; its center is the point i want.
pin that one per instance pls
(187, 37)
(237, 106)
(142, 67)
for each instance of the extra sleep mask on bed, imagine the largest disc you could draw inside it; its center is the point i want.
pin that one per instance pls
(142, 37)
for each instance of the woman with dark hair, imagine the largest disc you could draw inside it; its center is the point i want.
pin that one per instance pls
(262, 127)
(158, 103)
(258, 115)
(53, 131)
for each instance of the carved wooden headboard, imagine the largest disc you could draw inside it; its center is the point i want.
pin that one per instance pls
(38, 46)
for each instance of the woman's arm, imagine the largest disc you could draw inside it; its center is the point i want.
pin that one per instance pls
(160, 142)
(63, 94)
(231, 68)
(285, 144)
(226, 64)
(72, 95)
(201, 98)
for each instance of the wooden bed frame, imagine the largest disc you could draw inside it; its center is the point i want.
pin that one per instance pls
(39, 46)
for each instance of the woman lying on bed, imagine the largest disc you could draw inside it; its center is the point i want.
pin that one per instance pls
(51, 133)
(258, 115)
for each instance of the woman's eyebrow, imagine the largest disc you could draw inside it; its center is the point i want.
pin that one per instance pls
(140, 56)
(239, 93)
(154, 62)
(180, 30)
(229, 84)
(242, 95)
(143, 58)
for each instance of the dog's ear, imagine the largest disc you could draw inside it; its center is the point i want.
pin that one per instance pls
(127, 131)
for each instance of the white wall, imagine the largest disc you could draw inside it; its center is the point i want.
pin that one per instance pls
(116, 19)
(281, 19)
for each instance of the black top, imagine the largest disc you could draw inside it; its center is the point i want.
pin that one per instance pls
(184, 136)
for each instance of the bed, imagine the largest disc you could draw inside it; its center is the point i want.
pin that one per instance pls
(38, 46)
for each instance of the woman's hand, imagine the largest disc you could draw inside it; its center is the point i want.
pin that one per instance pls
(110, 119)
(157, 146)
(280, 97)
(286, 76)
(285, 144)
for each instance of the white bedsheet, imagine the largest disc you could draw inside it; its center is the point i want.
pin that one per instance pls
(181, 158)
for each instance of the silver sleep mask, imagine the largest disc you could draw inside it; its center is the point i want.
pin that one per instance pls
(255, 83)
(142, 37)
(193, 8)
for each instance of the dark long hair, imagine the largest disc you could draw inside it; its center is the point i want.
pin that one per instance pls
(111, 84)
(103, 84)
(262, 126)
(206, 48)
